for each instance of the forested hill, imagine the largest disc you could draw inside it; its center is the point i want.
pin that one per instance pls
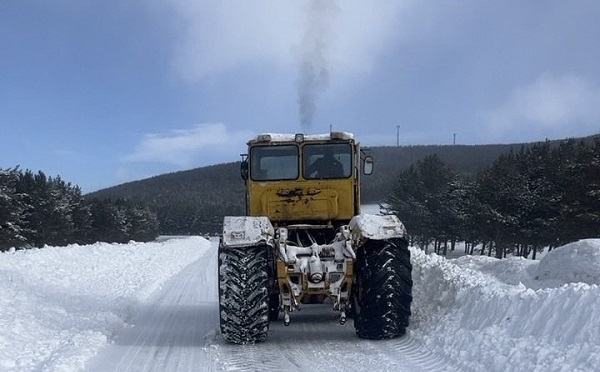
(195, 201)
(390, 161)
(187, 202)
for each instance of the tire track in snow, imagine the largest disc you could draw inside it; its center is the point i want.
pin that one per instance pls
(170, 329)
(315, 341)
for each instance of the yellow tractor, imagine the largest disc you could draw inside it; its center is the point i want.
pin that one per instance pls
(304, 241)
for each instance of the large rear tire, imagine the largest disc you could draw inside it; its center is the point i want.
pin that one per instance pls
(383, 289)
(243, 294)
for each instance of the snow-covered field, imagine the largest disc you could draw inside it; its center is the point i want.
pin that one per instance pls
(62, 306)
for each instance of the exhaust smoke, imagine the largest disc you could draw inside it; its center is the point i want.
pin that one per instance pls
(313, 70)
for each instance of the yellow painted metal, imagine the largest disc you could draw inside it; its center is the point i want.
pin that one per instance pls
(281, 270)
(289, 201)
(300, 200)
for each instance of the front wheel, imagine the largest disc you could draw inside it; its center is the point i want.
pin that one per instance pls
(383, 289)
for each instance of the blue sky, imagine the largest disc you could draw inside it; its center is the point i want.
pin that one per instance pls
(106, 92)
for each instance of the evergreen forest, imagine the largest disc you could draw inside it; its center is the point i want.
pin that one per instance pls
(36, 210)
(539, 196)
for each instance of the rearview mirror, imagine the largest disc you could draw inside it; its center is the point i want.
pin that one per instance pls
(244, 170)
(368, 165)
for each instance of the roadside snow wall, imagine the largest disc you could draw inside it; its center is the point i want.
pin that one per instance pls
(483, 323)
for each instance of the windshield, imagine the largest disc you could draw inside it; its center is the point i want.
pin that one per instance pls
(274, 163)
(331, 160)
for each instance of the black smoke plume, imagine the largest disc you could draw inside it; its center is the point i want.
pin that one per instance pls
(313, 64)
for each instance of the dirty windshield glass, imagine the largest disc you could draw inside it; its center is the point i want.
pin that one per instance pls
(323, 161)
(274, 163)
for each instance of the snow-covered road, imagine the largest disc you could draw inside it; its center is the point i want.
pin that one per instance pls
(172, 327)
(177, 330)
(153, 307)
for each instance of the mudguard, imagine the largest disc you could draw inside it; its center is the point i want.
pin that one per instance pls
(376, 227)
(243, 231)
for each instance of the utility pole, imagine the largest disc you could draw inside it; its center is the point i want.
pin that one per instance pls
(397, 135)
(454, 141)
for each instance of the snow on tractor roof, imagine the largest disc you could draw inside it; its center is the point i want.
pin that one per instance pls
(300, 137)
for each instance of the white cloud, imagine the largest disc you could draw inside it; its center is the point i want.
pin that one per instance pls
(187, 147)
(221, 35)
(550, 103)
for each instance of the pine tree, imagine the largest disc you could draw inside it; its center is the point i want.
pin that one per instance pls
(428, 199)
(12, 210)
(499, 190)
(109, 222)
(580, 180)
(143, 223)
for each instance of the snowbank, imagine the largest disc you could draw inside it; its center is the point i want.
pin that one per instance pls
(572, 263)
(494, 315)
(59, 305)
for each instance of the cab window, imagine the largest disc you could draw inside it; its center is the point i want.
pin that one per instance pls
(268, 163)
(327, 161)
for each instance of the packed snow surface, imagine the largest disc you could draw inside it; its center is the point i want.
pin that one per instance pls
(153, 306)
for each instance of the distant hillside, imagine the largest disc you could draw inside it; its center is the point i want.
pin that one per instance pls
(187, 202)
(195, 201)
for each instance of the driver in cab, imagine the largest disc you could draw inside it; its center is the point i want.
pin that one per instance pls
(326, 166)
